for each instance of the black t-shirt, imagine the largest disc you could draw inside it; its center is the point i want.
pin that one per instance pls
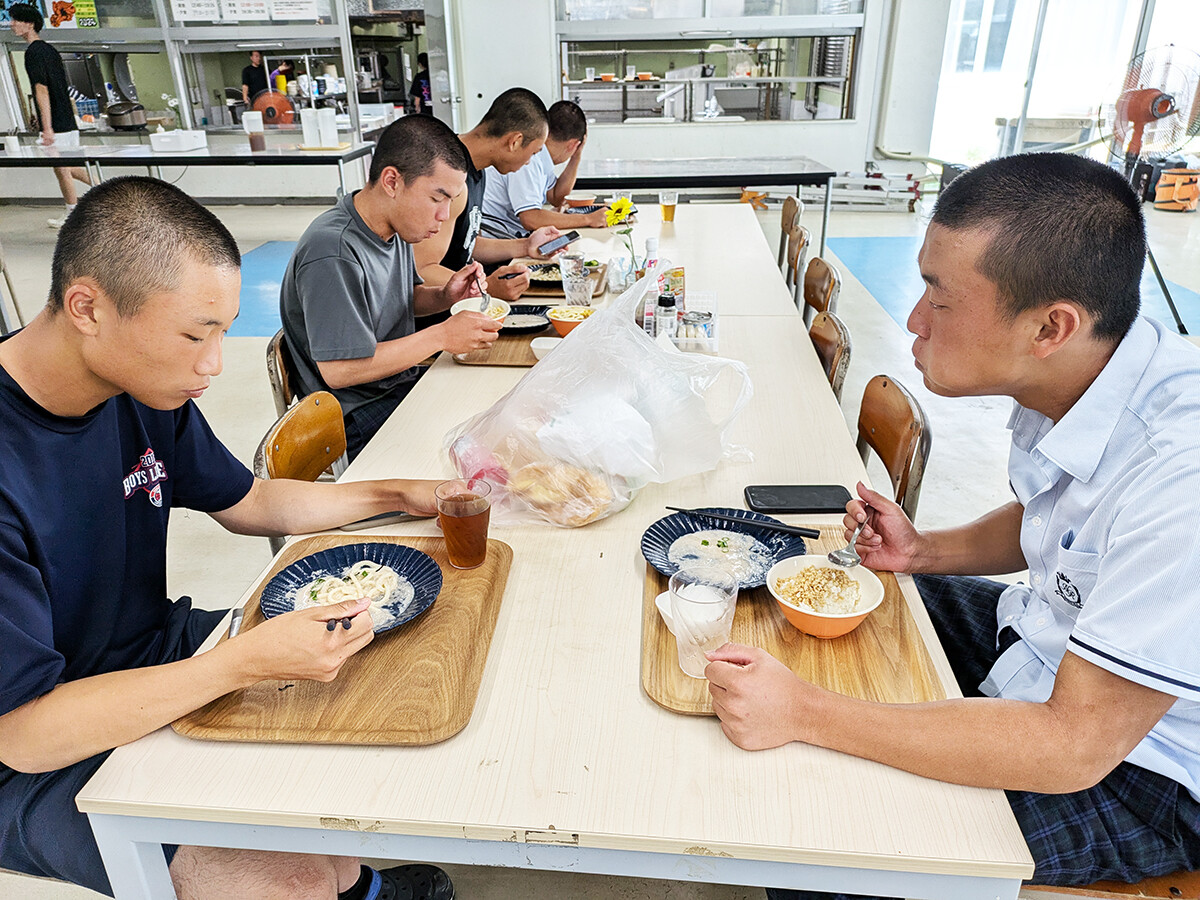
(423, 92)
(44, 65)
(255, 78)
(466, 226)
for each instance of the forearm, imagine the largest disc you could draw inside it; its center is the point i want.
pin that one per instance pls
(79, 719)
(431, 298)
(533, 219)
(391, 358)
(980, 742)
(285, 506)
(991, 545)
(564, 185)
(42, 95)
(495, 250)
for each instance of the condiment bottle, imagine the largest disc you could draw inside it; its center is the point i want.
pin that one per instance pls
(651, 253)
(665, 321)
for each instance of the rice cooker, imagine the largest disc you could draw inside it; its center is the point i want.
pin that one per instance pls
(126, 116)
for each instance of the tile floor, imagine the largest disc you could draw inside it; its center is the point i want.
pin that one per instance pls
(965, 476)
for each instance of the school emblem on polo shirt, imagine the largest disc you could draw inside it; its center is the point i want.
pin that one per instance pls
(1067, 591)
(147, 475)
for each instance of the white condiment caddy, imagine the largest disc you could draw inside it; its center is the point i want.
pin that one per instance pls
(691, 341)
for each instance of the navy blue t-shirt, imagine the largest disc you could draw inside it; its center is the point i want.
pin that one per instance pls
(84, 504)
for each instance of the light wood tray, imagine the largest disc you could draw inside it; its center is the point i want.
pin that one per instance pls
(414, 685)
(883, 659)
(555, 288)
(509, 350)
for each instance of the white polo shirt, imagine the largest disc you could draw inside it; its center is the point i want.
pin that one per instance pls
(1112, 536)
(505, 197)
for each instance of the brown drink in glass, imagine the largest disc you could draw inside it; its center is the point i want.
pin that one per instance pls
(464, 508)
(258, 142)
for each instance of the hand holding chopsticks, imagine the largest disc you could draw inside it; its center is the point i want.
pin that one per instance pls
(811, 533)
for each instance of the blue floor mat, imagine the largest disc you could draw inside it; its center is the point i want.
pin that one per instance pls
(262, 274)
(887, 268)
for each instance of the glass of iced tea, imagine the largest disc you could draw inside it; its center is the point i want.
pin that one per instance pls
(667, 200)
(464, 508)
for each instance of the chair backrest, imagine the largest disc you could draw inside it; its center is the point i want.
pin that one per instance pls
(305, 441)
(797, 250)
(892, 423)
(822, 284)
(831, 339)
(791, 212)
(279, 373)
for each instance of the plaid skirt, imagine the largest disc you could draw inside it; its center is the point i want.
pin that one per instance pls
(1132, 825)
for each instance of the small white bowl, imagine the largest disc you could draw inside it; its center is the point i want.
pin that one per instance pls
(543, 345)
(471, 304)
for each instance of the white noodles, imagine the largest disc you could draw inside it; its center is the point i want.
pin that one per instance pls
(388, 592)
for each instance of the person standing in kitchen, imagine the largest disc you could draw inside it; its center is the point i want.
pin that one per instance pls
(52, 103)
(421, 90)
(254, 78)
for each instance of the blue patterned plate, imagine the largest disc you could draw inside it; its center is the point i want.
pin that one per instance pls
(657, 541)
(279, 595)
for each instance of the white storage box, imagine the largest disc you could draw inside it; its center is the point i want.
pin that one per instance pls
(178, 141)
(699, 301)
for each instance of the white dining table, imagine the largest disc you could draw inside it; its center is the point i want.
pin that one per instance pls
(566, 764)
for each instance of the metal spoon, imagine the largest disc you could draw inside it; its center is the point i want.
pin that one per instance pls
(848, 557)
(485, 299)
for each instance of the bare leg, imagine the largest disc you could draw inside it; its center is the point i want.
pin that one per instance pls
(216, 873)
(81, 175)
(66, 185)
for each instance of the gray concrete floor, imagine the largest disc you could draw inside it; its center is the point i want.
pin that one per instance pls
(965, 477)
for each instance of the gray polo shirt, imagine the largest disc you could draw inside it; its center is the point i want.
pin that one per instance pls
(344, 291)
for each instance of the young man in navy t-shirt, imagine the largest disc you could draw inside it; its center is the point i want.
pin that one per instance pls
(99, 440)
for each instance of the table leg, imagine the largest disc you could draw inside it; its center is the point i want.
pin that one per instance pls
(157, 172)
(825, 214)
(341, 179)
(99, 173)
(137, 869)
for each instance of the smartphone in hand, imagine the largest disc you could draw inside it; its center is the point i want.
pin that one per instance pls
(558, 243)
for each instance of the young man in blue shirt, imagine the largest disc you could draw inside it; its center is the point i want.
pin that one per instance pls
(99, 440)
(1081, 687)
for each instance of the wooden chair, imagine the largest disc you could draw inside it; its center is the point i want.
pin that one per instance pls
(307, 440)
(1163, 887)
(822, 284)
(797, 250)
(892, 423)
(791, 218)
(831, 339)
(279, 373)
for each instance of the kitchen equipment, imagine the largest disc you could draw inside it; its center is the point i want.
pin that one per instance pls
(327, 127)
(308, 125)
(126, 116)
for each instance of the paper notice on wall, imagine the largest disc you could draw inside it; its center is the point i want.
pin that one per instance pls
(196, 10)
(287, 10)
(245, 10)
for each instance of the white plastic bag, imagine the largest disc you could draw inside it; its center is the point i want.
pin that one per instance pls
(606, 412)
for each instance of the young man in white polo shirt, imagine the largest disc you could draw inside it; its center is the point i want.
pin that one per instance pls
(1082, 687)
(513, 204)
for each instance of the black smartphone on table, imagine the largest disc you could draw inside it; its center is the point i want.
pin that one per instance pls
(797, 498)
(558, 243)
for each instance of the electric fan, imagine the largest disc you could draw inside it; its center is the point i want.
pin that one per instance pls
(1156, 111)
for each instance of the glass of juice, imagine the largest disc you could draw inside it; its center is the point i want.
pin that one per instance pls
(667, 200)
(464, 508)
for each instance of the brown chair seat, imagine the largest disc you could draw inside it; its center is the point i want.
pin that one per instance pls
(892, 423)
(822, 284)
(831, 339)
(1178, 886)
(788, 221)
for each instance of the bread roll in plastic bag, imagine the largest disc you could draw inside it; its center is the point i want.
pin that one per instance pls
(606, 412)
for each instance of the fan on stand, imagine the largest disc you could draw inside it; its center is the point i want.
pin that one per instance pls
(1156, 106)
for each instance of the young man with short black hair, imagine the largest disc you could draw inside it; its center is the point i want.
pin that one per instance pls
(421, 92)
(1082, 687)
(513, 203)
(100, 439)
(350, 294)
(512, 131)
(53, 108)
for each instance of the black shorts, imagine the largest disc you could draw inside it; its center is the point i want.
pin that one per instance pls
(41, 830)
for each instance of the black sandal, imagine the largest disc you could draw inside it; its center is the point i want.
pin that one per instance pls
(418, 882)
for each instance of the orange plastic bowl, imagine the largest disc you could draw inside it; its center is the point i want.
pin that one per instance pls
(563, 325)
(825, 625)
(576, 199)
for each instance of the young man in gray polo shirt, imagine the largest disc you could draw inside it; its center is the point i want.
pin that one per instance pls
(351, 292)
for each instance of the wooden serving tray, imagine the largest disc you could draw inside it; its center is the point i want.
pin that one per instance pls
(508, 350)
(414, 685)
(883, 659)
(555, 288)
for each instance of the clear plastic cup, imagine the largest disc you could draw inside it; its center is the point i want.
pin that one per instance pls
(703, 599)
(464, 508)
(667, 201)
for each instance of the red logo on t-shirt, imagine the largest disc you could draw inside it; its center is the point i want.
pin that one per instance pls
(147, 475)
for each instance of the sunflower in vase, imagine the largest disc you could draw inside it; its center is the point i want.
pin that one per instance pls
(617, 213)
